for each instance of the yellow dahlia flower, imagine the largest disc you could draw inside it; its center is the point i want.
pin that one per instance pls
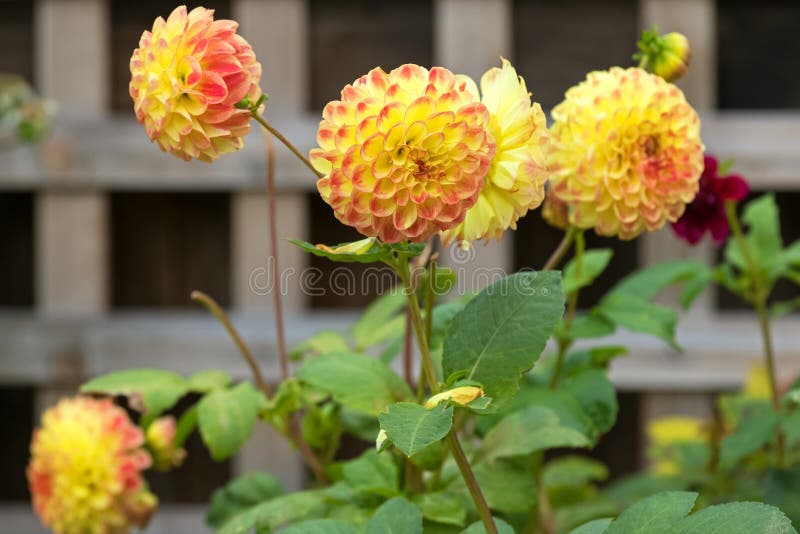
(187, 76)
(404, 154)
(85, 469)
(516, 178)
(627, 154)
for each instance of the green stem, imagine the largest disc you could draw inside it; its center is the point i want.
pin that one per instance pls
(215, 310)
(288, 144)
(401, 266)
(572, 306)
(558, 254)
(472, 483)
(758, 296)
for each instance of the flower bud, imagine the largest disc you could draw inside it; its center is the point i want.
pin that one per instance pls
(664, 55)
(460, 396)
(555, 211)
(160, 439)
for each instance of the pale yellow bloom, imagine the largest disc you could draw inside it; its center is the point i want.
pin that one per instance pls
(516, 178)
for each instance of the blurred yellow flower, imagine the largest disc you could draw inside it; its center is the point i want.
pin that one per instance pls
(627, 154)
(85, 469)
(757, 384)
(516, 178)
(676, 429)
(404, 154)
(187, 76)
(461, 396)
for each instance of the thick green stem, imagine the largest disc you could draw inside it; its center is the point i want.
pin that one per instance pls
(288, 144)
(759, 292)
(401, 266)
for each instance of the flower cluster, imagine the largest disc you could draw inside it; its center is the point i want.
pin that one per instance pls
(188, 74)
(707, 212)
(404, 154)
(85, 469)
(627, 154)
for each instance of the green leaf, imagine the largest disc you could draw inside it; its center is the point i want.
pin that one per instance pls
(596, 357)
(782, 489)
(151, 390)
(573, 471)
(320, 526)
(527, 431)
(508, 486)
(751, 435)
(443, 507)
(763, 239)
(411, 427)
(735, 518)
(589, 326)
(648, 282)
(226, 418)
(654, 514)
(395, 516)
(370, 329)
(210, 380)
(320, 343)
(478, 528)
(501, 332)
(276, 512)
(593, 263)
(372, 473)
(638, 315)
(598, 526)
(376, 252)
(781, 309)
(356, 381)
(241, 494)
(596, 395)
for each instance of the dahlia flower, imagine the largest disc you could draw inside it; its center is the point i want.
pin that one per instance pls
(627, 154)
(404, 154)
(85, 469)
(667, 432)
(516, 178)
(187, 76)
(706, 213)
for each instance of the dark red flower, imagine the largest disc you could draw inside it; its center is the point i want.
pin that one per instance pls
(707, 210)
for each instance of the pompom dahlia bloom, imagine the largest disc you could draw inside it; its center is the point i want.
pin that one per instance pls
(516, 178)
(187, 76)
(404, 154)
(85, 469)
(627, 154)
(706, 213)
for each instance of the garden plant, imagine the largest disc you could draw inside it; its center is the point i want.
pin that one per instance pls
(483, 406)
